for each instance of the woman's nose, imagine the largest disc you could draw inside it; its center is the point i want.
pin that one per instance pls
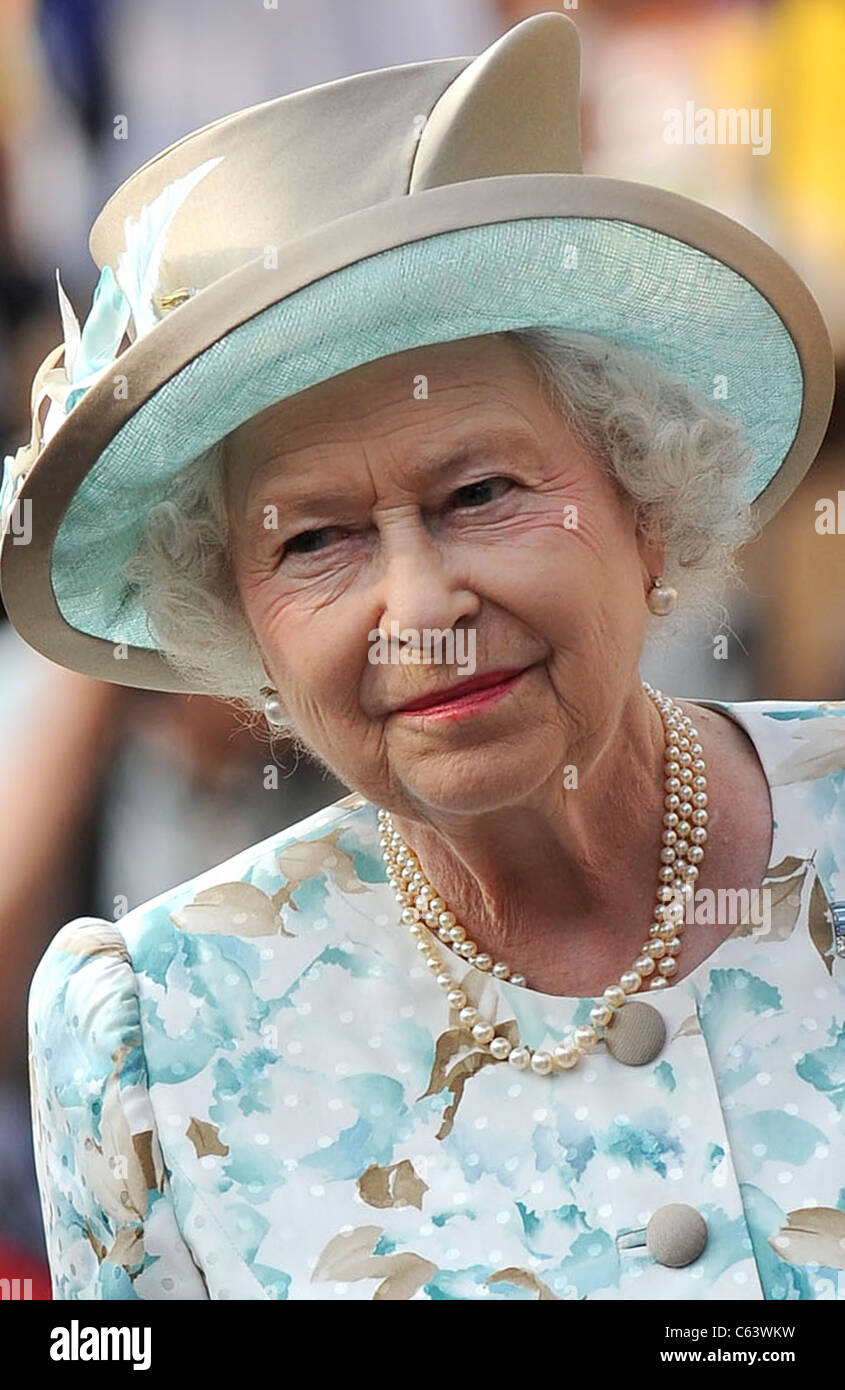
(420, 587)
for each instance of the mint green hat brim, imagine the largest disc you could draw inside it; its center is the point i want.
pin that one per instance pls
(699, 319)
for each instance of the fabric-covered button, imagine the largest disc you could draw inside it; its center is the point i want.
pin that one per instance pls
(676, 1235)
(636, 1035)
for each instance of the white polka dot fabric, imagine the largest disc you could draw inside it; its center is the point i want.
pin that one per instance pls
(247, 1088)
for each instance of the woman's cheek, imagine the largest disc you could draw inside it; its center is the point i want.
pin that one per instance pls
(327, 646)
(274, 617)
(538, 550)
(292, 608)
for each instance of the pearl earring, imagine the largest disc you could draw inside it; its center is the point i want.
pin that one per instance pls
(661, 598)
(273, 712)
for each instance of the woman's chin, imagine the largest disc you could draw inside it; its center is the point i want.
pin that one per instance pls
(477, 780)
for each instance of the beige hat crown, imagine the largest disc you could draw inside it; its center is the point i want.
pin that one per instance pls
(284, 165)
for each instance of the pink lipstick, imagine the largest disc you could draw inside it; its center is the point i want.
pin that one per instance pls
(466, 699)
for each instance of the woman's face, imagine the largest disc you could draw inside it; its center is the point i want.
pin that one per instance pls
(437, 490)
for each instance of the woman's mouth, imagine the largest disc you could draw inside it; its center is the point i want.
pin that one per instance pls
(466, 699)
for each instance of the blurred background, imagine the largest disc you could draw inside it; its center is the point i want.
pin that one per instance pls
(110, 796)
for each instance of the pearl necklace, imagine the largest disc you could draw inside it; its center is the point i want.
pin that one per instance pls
(684, 836)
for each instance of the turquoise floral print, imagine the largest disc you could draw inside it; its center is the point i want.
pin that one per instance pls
(250, 1088)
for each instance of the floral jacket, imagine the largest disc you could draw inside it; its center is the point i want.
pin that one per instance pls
(249, 1087)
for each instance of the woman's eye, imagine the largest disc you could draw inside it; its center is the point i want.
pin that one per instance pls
(484, 491)
(307, 542)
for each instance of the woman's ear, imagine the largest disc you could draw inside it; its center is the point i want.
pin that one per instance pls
(652, 553)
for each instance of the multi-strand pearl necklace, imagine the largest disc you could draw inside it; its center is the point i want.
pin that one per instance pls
(684, 836)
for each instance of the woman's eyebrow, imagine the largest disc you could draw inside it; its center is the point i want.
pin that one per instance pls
(293, 505)
(424, 467)
(478, 443)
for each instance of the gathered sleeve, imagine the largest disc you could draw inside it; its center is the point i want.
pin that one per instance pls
(109, 1216)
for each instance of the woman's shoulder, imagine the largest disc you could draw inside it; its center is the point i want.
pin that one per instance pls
(304, 872)
(801, 746)
(86, 960)
(332, 852)
(798, 741)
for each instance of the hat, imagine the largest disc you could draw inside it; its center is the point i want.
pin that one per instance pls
(300, 238)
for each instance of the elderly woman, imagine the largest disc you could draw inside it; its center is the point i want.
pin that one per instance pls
(550, 1007)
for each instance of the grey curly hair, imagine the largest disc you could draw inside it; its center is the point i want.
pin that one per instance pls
(679, 458)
